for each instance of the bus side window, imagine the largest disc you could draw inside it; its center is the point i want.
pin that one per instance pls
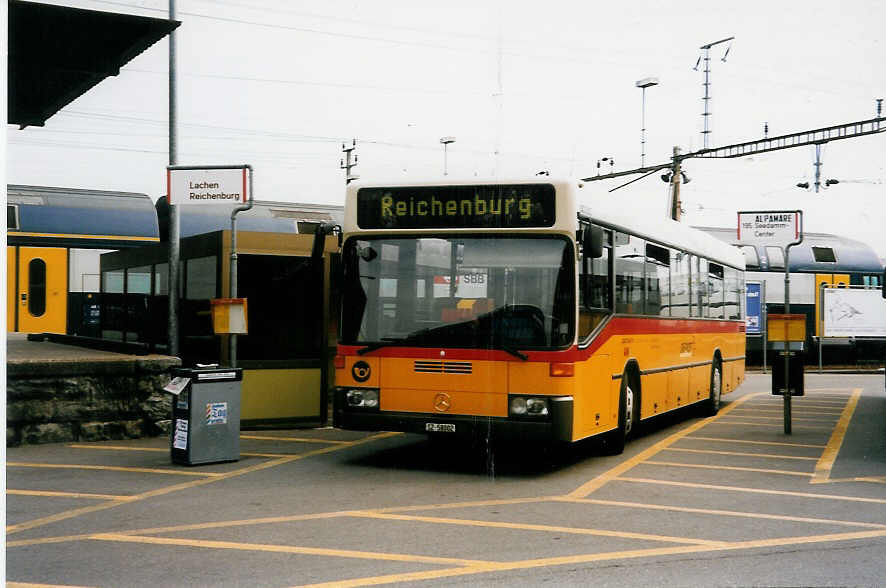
(594, 289)
(658, 280)
(630, 255)
(680, 284)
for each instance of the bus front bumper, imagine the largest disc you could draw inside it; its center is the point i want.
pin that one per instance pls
(557, 426)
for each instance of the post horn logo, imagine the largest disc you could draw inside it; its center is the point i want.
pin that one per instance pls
(361, 371)
(442, 402)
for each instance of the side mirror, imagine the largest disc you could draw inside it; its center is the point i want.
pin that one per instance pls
(320, 237)
(593, 242)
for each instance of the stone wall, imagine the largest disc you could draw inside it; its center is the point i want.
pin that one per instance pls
(87, 400)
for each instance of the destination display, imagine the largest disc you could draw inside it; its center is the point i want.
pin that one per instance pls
(450, 207)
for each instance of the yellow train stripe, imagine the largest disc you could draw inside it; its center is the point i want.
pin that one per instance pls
(84, 236)
(826, 463)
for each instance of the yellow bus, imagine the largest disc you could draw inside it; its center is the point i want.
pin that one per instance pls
(531, 309)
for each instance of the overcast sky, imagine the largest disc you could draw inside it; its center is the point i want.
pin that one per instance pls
(545, 85)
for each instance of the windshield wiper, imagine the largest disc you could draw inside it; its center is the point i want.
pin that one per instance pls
(512, 350)
(391, 341)
(386, 342)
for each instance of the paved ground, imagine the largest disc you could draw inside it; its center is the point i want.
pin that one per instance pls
(729, 500)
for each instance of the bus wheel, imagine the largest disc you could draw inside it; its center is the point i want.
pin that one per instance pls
(712, 407)
(627, 416)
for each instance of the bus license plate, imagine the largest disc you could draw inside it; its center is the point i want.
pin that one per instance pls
(440, 427)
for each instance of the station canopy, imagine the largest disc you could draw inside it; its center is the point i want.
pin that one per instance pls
(58, 53)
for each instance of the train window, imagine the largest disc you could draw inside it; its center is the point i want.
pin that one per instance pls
(750, 256)
(824, 254)
(37, 287)
(776, 257)
(138, 280)
(11, 217)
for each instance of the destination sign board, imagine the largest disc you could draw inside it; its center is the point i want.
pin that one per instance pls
(450, 207)
(207, 186)
(770, 227)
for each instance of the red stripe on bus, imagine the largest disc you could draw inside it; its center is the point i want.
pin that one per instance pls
(619, 326)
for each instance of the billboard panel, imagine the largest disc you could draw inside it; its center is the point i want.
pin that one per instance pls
(853, 313)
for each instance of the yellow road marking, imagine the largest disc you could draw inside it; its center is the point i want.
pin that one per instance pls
(799, 410)
(826, 463)
(727, 513)
(47, 493)
(26, 585)
(725, 440)
(779, 418)
(118, 448)
(294, 439)
(187, 485)
(588, 487)
(160, 450)
(373, 555)
(594, 557)
(730, 468)
(739, 453)
(752, 490)
(66, 466)
(805, 428)
(872, 479)
(468, 504)
(531, 527)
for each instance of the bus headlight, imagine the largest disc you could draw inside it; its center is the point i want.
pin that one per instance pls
(528, 406)
(362, 398)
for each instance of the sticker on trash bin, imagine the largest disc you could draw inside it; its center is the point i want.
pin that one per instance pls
(216, 413)
(180, 440)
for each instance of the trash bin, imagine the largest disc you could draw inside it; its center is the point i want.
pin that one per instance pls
(205, 415)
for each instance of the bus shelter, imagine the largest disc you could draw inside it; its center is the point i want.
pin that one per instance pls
(286, 355)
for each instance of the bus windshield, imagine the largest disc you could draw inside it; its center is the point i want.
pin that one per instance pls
(462, 291)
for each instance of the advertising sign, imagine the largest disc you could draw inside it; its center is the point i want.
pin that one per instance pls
(207, 186)
(754, 306)
(770, 227)
(853, 313)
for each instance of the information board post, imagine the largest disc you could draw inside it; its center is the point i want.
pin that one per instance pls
(781, 228)
(214, 185)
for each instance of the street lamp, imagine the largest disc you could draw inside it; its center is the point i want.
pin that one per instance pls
(643, 84)
(446, 141)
